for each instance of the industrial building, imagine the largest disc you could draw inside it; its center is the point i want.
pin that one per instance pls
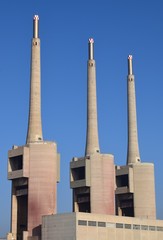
(109, 202)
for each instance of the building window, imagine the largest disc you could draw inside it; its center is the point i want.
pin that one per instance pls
(119, 225)
(16, 163)
(92, 223)
(136, 227)
(110, 225)
(78, 173)
(82, 222)
(122, 180)
(160, 229)
(144, 227)
(152, 228)
(128, 226)
(101, 224)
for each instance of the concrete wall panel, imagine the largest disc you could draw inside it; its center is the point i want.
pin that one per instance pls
(144, 190)
(102, 184)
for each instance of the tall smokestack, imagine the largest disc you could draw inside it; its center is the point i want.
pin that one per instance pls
(34, 133)
(92, 142)
(133, 155)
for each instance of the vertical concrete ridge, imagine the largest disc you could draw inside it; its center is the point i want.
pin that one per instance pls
(133, 155)
(92, 140)
(34, 133)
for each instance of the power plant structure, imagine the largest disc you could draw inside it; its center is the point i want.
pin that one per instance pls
(34, 167)
(110, 202)
(93, 176)
(135, 184)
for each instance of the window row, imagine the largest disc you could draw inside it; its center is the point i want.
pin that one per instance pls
(119, 225)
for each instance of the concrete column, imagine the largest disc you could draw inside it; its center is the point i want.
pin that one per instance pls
(14, 209)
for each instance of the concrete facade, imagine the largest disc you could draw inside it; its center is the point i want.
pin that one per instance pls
(86, 226)
(144, 191)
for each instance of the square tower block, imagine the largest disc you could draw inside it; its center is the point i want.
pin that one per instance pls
(93, 183)
(135, 191)
(34, 171)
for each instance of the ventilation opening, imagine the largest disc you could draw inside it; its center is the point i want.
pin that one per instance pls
(122, 181)
(16, 163)
(82, 198)
(125, 205)
(78, 173)
(127, 208)
(84, 207)
(22, 216)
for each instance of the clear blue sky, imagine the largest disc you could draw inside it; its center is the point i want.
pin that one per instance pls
(119, 28)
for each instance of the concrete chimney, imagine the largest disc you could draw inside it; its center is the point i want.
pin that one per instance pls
(133, 155)
(34, 133)
(92, 142)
